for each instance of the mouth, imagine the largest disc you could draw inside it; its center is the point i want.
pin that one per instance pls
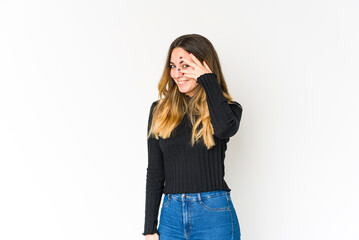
(182, 82)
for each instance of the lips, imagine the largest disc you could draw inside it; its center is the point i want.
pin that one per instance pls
(182, 82)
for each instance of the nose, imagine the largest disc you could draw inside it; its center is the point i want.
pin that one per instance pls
(178, 73)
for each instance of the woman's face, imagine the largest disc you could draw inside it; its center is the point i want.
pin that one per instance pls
(185, 85)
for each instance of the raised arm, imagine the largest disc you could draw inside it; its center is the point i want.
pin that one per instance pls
(225, 117)
(154, 182)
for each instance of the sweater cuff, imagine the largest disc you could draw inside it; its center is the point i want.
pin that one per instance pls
(211, 86)
(150, 231)
(206, 76)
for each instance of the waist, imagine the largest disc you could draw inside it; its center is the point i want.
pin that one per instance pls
(196, 196)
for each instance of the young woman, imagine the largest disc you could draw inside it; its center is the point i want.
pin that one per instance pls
(188, 130)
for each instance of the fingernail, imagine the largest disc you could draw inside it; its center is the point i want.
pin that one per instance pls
(189, 52)
(180, 57)
(182, 73)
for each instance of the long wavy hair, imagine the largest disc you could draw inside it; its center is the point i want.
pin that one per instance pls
(173, 105)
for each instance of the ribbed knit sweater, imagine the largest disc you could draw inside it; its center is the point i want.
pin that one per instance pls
(174, 166)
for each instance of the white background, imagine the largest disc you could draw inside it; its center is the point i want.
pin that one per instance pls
(77, 79)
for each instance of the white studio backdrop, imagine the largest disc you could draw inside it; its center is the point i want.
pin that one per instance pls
(77, 79)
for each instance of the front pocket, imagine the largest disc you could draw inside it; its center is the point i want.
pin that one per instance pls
(216, 203)
(166, 201)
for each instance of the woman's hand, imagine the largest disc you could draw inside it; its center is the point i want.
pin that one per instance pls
(197, 68)
(154, 236)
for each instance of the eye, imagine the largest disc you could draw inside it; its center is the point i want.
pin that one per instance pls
(184, 65)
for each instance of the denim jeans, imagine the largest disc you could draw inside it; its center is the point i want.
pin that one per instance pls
(194, 216)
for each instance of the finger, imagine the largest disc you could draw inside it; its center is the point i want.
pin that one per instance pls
(189, 75)
(193, 57)
(184, 71)
(205, 64)
(189, 61)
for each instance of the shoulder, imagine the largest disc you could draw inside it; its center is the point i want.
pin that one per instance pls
(235, 104)
(153, 105)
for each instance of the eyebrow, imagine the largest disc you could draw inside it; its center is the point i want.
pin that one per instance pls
(180, 62)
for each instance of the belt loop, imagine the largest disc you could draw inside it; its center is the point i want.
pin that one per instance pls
(199, 196)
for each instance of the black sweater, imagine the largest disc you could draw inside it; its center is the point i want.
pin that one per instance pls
(174, 166)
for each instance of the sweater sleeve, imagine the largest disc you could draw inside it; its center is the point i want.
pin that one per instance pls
(154, 180)
(225, 116)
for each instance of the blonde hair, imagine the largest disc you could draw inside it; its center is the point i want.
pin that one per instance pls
(173, 105)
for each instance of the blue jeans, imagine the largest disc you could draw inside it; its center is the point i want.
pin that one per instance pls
(195, 216)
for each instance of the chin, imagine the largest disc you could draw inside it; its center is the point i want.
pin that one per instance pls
(186, 91)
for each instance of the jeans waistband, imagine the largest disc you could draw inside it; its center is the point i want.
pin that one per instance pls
(196, 196)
